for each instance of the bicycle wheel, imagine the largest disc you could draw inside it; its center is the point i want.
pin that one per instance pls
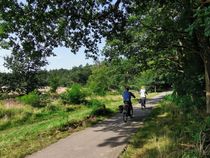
(131, 112)
(125, 116)
(125, 113)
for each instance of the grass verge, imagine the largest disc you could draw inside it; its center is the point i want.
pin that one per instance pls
(26, 130)
(171, 132)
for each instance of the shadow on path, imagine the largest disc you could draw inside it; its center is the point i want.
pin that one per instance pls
(124, 130)
(104, 140)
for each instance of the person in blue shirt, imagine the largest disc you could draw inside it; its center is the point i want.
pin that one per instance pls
(127, 95)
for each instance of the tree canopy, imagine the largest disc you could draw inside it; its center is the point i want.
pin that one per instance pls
(171, 37)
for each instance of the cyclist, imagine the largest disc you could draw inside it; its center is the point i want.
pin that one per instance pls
(143, 94)
(127, 99)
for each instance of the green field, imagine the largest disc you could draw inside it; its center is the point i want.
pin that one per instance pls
(24, 129)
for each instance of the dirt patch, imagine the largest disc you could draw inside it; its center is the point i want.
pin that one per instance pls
(11, 103)
(61, 90)
(47, 89)
(44, 89)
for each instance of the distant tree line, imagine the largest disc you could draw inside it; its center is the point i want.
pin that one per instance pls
(61, 77)
(99, 78)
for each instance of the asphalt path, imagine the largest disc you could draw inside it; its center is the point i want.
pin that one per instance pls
(104, 140)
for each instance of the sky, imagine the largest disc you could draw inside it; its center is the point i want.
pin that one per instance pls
(64, 58)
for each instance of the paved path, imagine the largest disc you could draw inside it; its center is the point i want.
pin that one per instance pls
(104, 140)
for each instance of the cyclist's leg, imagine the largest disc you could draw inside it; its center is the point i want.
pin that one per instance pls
(131, 107)
(131, 110)
(142, 102)
(145, 102)
(126, 107)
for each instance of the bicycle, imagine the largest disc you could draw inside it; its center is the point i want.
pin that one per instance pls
(142, 102)
(125, 112)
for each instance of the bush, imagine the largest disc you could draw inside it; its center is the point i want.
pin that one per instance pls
(54, 83)
(4, 96)
(45, 98)
(99, 108)
(32, 99)
(102, 111)
(94, 103)
(99, 81)
(73, 95)
(98, 88)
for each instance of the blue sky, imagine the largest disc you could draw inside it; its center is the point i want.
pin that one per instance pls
(63, 59)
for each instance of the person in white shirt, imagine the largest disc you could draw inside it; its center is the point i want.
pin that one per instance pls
(143, 94)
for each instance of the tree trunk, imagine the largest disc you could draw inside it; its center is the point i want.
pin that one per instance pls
(205, 55)
(207, 80)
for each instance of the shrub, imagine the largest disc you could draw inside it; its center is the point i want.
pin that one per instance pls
(73, 95)
(99, 81)
(102, 111)
(94, 103)
(44, 98)
(31, 98)
(54, 83)
(98, 88)
(4, 96)
(99, 108)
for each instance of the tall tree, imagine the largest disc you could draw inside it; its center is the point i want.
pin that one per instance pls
(170, 35)
(36, 27)
(167, 24)
(200, 28)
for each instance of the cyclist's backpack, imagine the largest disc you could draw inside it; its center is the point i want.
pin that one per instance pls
(126, 96)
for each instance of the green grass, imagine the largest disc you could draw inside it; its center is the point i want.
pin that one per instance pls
(24, 138)
(24, 130)
(169, 133)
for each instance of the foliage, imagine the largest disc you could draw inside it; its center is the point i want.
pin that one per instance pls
(53, 84)
(32, 39)
(123, 72)
(31, 98)
(98, 82)
(163, 37)
(66, 77)
(52, 78)
(170, 131)
(114, 75)
(94, 103)
(189, 103)
(152, 80)
(73, 95)
(25, 129)
(98, 108)
(166, 36)
(102, 111)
